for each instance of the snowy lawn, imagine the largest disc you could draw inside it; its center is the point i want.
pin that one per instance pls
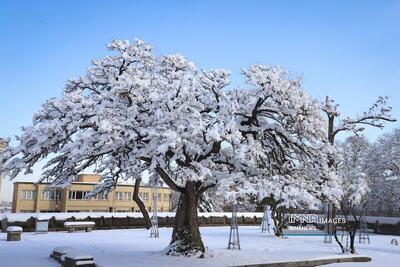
(133, 247)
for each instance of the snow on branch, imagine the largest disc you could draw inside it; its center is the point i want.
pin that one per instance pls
(375, 117)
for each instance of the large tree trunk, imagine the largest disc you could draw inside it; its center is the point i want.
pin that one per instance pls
(277, 215)
(186, 239)
(140, 203)
(277, 218)
(331, 164)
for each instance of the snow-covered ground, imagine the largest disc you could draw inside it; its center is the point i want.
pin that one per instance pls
(133, 247)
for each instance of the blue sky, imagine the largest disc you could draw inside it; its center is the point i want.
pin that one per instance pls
(348, 50)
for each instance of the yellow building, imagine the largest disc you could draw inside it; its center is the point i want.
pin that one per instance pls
(30, 197)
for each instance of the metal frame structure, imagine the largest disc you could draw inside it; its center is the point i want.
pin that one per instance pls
(265, 221)
(234, 242)
(363, 235)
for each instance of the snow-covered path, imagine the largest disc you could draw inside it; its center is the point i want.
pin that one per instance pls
(112, 248)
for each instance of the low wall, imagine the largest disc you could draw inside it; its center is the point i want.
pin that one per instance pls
(126, 222)
(385, 228)
(166, 219)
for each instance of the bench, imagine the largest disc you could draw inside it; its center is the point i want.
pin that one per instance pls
(59, 252)
(85, 225)
(78, 260)
(14, 233)
(70, 257)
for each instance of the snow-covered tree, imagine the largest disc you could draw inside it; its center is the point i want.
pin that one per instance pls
(353, 170)
(132, 112)
(282, 144)
(388, 151)
(384, 174)
(94, 124)
(376, 115)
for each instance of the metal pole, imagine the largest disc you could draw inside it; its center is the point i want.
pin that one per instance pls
(154, 220)
(328, 226)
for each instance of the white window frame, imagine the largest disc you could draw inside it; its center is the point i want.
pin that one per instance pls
(51, 195)
(127, 196)
(28, 194)
(72, 195)
(101, 196)
(118, 196)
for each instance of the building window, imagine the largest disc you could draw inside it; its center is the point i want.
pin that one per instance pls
(145, 196)
(127, 196)
(78, 194)
(118, 195)
(159, 196)
(28, 194)
(51, 195)
(101, 196)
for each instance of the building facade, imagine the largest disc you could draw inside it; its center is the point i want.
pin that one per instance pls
(30, 197)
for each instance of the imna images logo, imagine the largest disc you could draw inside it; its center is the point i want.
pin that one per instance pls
(307, 224)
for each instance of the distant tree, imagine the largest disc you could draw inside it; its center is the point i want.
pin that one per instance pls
(384, 173)
(376, 115)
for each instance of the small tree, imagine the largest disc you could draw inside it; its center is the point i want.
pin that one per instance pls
(376, 115)
(354, 183)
